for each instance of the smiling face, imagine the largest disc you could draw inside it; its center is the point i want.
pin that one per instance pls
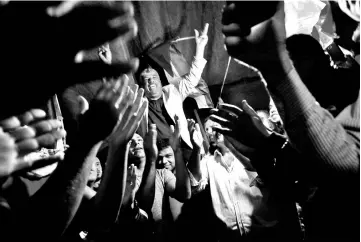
(166, 159)
(150, 81)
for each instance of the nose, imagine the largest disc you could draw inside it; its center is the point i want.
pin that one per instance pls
(164, 161)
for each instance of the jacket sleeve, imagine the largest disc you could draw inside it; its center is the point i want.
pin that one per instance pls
(189, 81)
(331, 145)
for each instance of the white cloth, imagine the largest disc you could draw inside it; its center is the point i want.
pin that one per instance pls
(237, 199)
(301, 16)
(173, 96)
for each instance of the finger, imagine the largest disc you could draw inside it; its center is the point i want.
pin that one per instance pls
(102, 91)
(232, 30)
(198, 129)
(222, 130)
(229, 14)
(124, 101)
(196, 33)
(125, 26)
(111, 91)
(135, 120)
(123, 89)
(177, 125)
(126, 111)
(205, 30)
(138, 101)
(46, 126)
(83, 104)
(136, 88)
(106, 13)
(22, 133)
(248, 109)
(92, 70)
(172, 128)
(230, 108)
(26, 146)
(220, 120)
(62, 9)
(24, 165)
(49, 139)
(31, 116)
(10, 124)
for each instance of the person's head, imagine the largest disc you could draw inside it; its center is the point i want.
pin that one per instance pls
(136, 149)
(149, 79)
(166, 157)
(216, 139)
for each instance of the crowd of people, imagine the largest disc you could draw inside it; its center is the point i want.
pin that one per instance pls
(136, 168)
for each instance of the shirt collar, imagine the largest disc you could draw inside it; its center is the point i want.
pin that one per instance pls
(229, 164)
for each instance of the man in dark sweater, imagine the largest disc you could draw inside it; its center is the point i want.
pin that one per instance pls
(330, 144)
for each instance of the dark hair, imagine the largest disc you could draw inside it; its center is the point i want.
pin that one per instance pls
(163, 143)
(146, 62)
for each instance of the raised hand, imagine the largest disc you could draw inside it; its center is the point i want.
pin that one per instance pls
(195, 134)
(105, 54)
(98, 122)
(202, 40)
(133, 108)
(62, 30)
(150, 143)
(242, 124)
(254, 36)
(176, 134)
(24, 134)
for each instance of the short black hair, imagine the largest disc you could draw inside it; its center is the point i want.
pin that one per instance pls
(163, 143)
(146, 62)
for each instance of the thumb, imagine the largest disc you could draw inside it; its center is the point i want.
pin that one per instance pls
(196, 33)
(83, 104)
(172, 128)
(248, 109)
(198, 129)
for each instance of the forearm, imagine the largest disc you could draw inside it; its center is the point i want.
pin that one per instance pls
(146, 192)
(53, 207)
(192, 78)
(313, 131)
(194, 166)
(108, 200)
(182, 189)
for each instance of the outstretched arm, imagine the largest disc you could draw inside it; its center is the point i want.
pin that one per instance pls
(189, 81)
(53, 207)
(331, 143)
(182, 189)
(145, 195)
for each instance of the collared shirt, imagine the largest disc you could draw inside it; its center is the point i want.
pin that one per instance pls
(239, 199)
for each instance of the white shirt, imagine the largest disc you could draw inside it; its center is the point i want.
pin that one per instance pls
(238, 199)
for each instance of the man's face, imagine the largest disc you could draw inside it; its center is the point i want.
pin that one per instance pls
(136, 150)
(151, 83)
(213, 136)
(166, 159)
